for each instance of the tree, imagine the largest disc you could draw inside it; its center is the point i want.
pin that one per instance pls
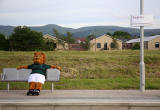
(110, 34)
(121, 35)
(114, 44)
(25, 39)
(87, 44)
(136, 46)
(3, 42)
(60, 38)
(90, 37)
(50, 45)
(57, 34)
(69, 38)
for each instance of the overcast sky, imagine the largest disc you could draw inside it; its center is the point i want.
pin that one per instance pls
(75, 13)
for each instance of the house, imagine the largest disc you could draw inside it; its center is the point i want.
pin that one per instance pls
(77, 47)
(150, 43)
(80, 40)
(60, 44)
(126, 45)
(104, 42)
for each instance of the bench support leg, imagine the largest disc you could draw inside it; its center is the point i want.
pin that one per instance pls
(8, 86)
(52, 86)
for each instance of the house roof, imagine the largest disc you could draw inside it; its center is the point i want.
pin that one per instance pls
(106, 36)
(145, 39)
(82, 39)
(53, 38)
(49, 36)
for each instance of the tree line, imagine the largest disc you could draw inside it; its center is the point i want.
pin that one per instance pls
(25, 39)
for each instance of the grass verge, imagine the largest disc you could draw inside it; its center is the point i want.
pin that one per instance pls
(92, 84)
(91, 70)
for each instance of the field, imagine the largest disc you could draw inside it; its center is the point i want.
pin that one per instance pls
(91, 70)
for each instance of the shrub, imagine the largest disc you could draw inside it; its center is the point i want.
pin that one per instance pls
(136, 46)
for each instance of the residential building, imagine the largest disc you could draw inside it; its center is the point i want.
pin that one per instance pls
(126, 45)
(150, 43)
(60, 44)
(77, 47)
(104, 42)
(80, 40)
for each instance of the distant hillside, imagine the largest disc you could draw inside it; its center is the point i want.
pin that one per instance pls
(100, 30)
(48, 29)
(81, 32)
(6, 30)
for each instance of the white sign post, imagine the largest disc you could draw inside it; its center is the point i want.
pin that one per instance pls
(142, 65)
(136, 21)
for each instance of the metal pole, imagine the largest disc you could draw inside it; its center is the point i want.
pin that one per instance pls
(142, 65)
(95, 45)
(52, 87)
(8, 87)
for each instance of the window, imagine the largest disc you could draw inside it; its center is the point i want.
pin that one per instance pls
(112, 45)
(105, 46)
(98, 45)
(157, 45)
(146, 45)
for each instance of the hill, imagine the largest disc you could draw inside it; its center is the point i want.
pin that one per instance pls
(81, 32)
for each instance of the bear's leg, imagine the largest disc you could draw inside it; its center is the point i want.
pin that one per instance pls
(32, 86)
(38, 88)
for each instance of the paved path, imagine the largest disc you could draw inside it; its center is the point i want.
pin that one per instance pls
(82, 96)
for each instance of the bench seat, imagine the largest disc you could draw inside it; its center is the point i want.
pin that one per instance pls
(14, 75)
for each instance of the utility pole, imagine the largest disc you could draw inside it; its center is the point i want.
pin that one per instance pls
(142, 65)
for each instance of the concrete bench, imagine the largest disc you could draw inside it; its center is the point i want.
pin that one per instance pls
(14, 75)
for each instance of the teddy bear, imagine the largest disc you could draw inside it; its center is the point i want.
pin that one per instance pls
(38, 74)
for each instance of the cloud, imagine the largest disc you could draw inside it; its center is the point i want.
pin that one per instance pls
(156, 24)
(73, 12)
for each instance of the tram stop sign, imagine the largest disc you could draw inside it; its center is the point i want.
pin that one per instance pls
(141, 20)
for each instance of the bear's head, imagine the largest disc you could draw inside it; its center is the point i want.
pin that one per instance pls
(39, 58)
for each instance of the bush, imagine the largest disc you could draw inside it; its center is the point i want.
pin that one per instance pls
(136, 46)
(114, 44)
(3, 42)
(49, 45)
(24, 39)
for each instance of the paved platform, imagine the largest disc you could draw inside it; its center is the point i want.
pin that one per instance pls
(125, 99)
(73, 96)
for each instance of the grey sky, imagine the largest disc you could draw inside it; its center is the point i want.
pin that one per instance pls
(75, 13)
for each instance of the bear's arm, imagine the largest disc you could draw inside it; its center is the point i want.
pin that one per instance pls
(56, 67)
(22, 67)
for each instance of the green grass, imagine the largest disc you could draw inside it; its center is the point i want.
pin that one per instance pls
(91, 70)
(100, 84)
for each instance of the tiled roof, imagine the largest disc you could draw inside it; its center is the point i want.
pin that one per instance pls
(49, 36)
